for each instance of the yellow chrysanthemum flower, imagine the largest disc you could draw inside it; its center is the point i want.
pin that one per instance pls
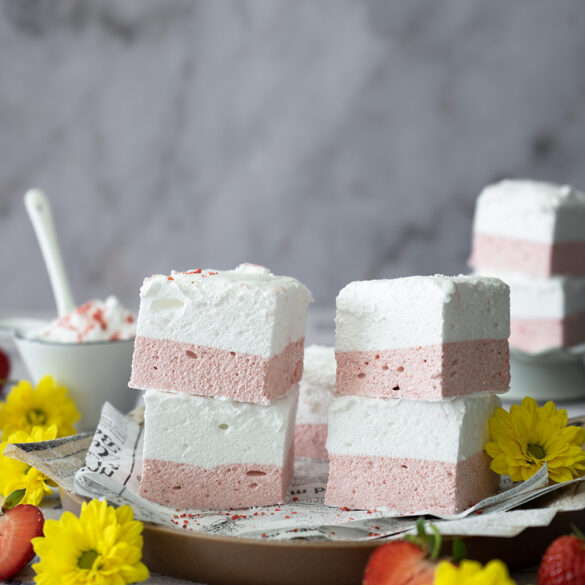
(472, 573)
(45, 405)
(529, 435)
(101, 547)
(16, 475)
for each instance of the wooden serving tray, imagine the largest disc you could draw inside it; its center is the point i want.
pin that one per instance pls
(223, 560)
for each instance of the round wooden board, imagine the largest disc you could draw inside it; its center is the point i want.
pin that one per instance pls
(222, 560)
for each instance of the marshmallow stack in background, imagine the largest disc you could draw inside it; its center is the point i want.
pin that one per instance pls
(220, 355)
(419, 361)
(316, 390)
(532, 235)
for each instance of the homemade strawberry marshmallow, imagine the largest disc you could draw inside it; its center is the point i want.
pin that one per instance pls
(423, 337)
(545, 313)
(214, 453)
(234, 333)
(532, 227)
(316, 393)
(411, 456)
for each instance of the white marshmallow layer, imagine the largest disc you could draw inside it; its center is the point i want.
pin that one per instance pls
(531, 210)
(247, 310)
(317, 385)
(447, 430)
(555, 297)
(420, 310)
(211, 431)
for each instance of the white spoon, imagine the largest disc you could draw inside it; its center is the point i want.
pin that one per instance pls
(39, 211)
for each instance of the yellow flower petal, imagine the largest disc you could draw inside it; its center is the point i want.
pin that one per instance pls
(15, 475)
(112, 536)
(472, 573)
(43, 406)
(523, 439)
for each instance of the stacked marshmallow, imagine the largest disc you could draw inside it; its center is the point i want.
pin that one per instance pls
(532, 235)
(220, 355)
(419, 361)
(316, 391)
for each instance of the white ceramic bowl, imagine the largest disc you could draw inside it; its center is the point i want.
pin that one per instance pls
(555, 374)
(93, 372)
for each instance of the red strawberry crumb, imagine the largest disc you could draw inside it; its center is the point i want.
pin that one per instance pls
(99, 317)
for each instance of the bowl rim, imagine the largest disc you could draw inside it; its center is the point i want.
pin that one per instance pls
(18, 336)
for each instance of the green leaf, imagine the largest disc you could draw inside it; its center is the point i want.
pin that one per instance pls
(459, 551)
(577, 532)
(420, 528)
(430, 543)
(13, 499)
(434, 541)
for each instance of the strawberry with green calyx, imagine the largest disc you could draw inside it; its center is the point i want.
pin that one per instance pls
(563, 562)
(410, 561)
(18, 526)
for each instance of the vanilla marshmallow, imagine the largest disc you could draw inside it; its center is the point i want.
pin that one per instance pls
(531, 210)
(209, 432)
(247, 310)
(420, 311)
(317, 385)
(448, 430)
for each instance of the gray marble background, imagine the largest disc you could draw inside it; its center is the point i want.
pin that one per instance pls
(332, 140)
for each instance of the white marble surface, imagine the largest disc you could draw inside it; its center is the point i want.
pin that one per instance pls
(333, 140)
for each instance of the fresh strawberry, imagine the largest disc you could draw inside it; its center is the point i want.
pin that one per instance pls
(398, 563)
(4, 368)
(563, 562)
(17, 527)
(411, 561)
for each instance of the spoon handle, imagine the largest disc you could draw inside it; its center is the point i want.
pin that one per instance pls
(39, 211)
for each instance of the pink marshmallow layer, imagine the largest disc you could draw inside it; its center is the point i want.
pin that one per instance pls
(237, 485)
(409, 486)
(310, 440)
(535, 258)
(534, 335)
(172, 366)
(429, 372)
